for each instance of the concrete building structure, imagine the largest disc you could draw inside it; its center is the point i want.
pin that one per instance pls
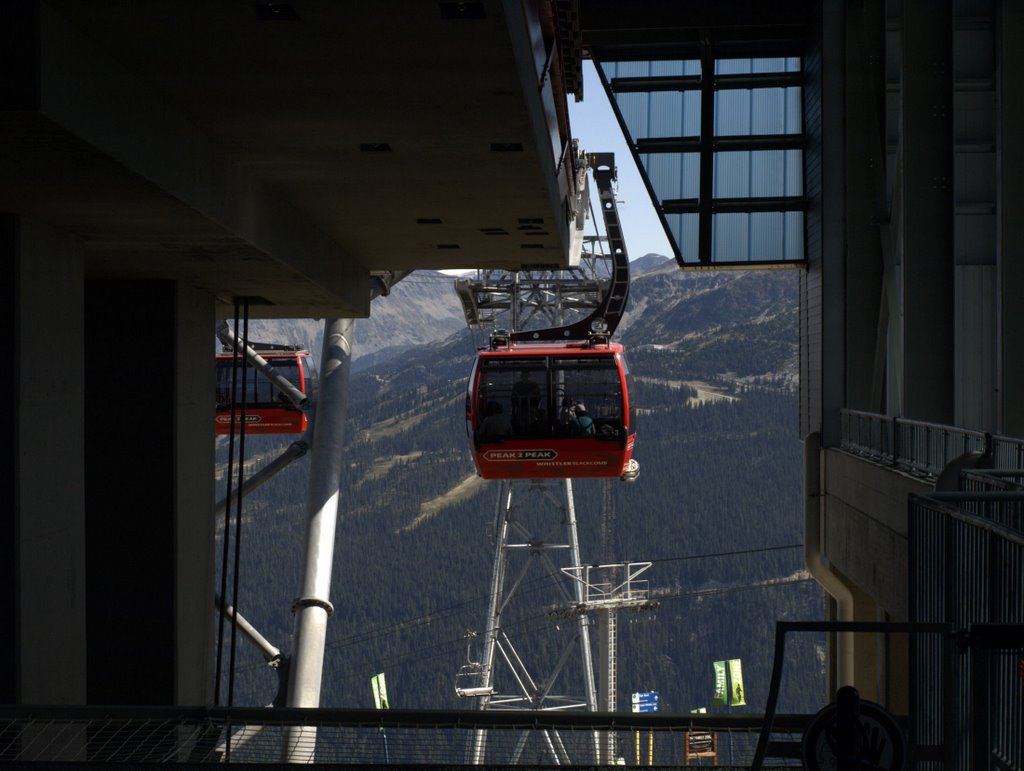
(160, 159)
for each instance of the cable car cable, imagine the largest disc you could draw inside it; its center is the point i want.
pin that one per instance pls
(238, 513)
(729, 553)
(444, 613)
(520, 624)
(229, 479)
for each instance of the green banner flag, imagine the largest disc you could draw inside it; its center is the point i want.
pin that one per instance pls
(736, 674)
(380, 691)
(721, 698)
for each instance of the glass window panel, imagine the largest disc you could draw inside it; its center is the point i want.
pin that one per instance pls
(665, 114)
(732, 113)
(741, 237)
(223, 383)
(764, 65)
(730, 238)
(795, 235)
(770, 111)
(634, 108)
(759, 174)
(794, 172)
(768, 173)
(758, 237)
(684, 229)
(732, 175)
(535, 400)
(643, 69)
(744, 112)
(794, 111)
(660, 114)
(733, 66)
(258, 389)
(498, 378)
(592, 381)
(626, 69)
(768, 65)
(675, 68)
(673, 175)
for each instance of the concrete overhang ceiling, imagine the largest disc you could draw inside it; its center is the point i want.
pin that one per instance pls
(288, 150)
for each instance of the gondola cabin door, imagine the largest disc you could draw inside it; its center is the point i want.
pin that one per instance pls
(267, 409)
(538, 411)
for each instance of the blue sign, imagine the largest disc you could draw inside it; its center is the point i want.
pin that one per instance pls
(645, 701)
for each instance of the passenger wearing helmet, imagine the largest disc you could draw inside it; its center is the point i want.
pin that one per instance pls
(580, 423)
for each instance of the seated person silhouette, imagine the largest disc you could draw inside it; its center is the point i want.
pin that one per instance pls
(525, 398)
(580, 423)
(539, 426)
(495, 426)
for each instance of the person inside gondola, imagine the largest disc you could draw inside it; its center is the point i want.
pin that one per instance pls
(495, 426)
(580, 423)
(539, 426)
(525, 399)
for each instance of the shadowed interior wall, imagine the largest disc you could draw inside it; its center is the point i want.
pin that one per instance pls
(129, 491)
(8, 461)
(49, 519)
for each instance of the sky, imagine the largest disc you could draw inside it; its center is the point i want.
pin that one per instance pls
(594, 124)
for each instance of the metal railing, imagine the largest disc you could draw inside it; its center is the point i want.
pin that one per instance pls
(920, 447)
(141, 736)
(967, 569)
(924, 746)
(992, 481)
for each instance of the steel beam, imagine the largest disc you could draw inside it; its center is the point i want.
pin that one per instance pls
(926, 148)
(1010, 219)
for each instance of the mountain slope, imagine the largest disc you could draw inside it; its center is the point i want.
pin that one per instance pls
(414, 548)
(421, 309)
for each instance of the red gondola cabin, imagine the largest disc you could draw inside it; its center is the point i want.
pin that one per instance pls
(267, 409)
(541, 411)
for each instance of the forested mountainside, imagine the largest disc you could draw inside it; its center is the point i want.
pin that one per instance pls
(421, 308)
(717, 509)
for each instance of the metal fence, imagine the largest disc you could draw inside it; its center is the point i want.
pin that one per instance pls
(140, 737)
(992, 481)
(967, 568)
(925, 747)
(920, 447)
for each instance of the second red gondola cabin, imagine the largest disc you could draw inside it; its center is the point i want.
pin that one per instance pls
(267, 409)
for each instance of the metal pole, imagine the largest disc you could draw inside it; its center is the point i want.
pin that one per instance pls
(313, 607)
(584, 618)
(295, 451)
(478, 749)
(269, 651)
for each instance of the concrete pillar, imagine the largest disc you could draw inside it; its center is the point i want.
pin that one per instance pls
(1010, 219)
(9, 259)
(50, 580)
(149, 491)
(926, 150)
(866, 664)
(129, 494)
(865, 180)
(823, 293)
